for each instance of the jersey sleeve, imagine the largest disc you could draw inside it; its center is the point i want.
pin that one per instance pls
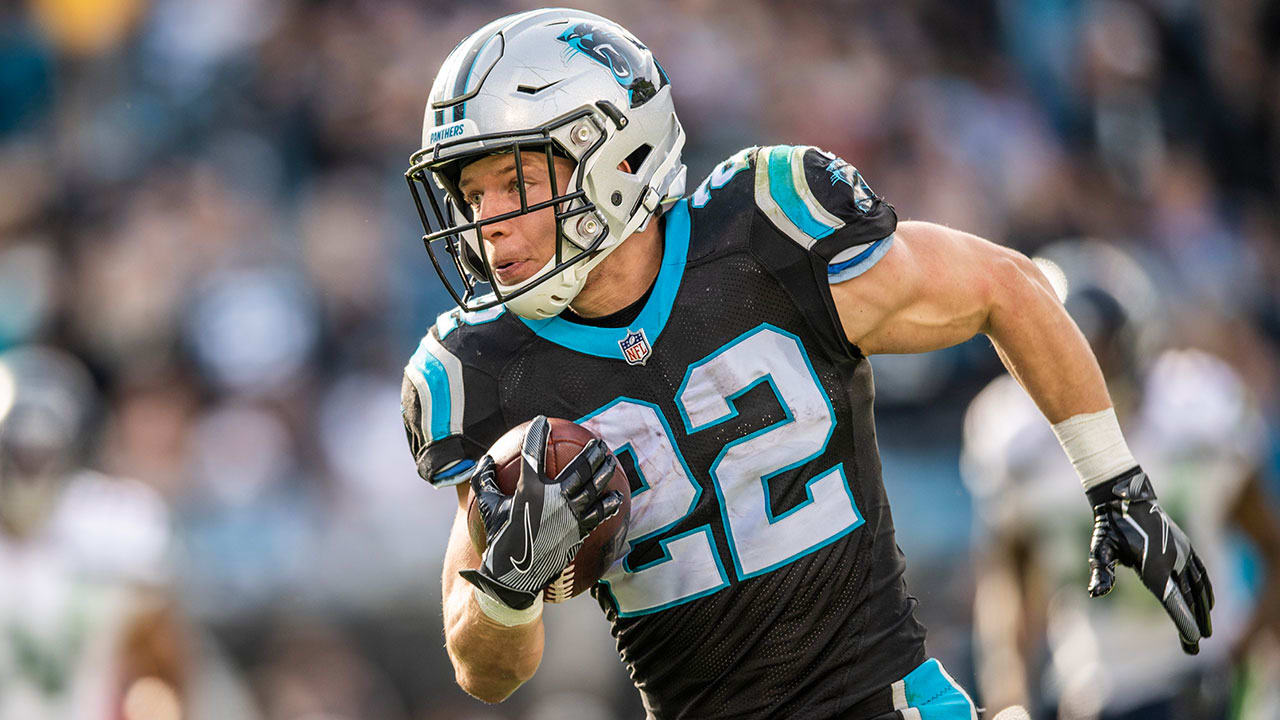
(450, 409)
(823, 204)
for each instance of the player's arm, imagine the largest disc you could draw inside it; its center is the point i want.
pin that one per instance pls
(490, 659)
(153, 658)
(936, 287)
(1004, 619)
(491, 656)
(493, 620)
(1254, 512)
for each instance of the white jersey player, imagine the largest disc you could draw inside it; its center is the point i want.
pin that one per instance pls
(1040, 640)
(86, 632)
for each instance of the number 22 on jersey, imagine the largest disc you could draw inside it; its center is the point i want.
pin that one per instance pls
(759, 541)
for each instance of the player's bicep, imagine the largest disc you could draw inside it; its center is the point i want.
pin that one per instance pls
(932, 289)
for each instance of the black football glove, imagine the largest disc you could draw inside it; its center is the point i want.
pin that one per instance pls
(1130, 527)
(535, 533)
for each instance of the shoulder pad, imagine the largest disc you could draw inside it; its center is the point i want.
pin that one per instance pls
(432, 402)
(116, 529)
(449, 395)
(798, 207)
(450, 320)
(722, 174)
(818, 200)
(1004, 435)
(813, 198)
(1194, 399)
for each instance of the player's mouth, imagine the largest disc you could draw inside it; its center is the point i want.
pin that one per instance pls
(513, 272)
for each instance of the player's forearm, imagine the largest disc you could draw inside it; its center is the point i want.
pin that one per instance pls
(153, 658)
(1253, 513)
(1000, 621)
(490, 660)
(1041, 345)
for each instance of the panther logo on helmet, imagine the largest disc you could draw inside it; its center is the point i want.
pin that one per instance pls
(622, 55)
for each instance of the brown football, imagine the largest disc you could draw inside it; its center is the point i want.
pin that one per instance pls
(602, 547)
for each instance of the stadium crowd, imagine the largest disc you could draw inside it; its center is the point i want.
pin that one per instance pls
(204, 201)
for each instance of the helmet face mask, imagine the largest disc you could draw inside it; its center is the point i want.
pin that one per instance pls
(46, 397)
(547, 84)
(449, 222)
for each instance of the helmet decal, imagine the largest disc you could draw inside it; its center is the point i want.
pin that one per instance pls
(623, 56)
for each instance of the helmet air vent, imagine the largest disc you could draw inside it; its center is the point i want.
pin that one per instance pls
(637, 157)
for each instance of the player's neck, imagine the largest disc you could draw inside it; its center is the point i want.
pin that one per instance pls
(624, 277)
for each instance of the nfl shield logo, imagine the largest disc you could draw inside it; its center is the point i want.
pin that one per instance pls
(635, 347)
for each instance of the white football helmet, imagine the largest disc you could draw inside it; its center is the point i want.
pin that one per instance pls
(551, 82)
(46, 399)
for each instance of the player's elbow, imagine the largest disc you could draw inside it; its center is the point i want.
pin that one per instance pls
(1025, 273)
(491, 678)
(1017, 286)
(488, 687)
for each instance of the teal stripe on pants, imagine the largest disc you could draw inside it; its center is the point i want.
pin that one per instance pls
(935, 695)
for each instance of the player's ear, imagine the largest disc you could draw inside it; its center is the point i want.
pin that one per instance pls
(625, 166)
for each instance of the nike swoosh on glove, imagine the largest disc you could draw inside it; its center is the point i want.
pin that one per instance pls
(1129, 527)
(533, 534)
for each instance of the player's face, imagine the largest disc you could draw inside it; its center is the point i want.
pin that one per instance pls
(31, 478)
(521, 246)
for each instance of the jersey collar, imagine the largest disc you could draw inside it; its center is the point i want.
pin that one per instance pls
(603, 341)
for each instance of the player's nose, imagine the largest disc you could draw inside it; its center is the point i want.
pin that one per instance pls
(492, 229)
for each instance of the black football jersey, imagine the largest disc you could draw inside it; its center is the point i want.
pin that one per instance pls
(762, 578)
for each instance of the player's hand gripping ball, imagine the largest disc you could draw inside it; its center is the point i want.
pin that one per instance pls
(549, 511)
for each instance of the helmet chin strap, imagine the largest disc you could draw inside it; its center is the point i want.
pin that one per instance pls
(653, 197)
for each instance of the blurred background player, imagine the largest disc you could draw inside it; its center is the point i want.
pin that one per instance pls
(1039, 640)
(87, 628)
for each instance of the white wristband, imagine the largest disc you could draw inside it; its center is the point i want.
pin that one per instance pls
(504, 614)
(1095, 446)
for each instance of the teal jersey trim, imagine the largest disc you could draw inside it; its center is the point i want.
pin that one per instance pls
(782, 187)
(931, 690)
(603, 341)
(458, 472)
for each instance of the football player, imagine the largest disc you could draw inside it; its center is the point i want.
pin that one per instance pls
(1192, 420)
(87, 627)
(719, 344)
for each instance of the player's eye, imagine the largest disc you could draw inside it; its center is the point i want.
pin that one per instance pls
(472, 199)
